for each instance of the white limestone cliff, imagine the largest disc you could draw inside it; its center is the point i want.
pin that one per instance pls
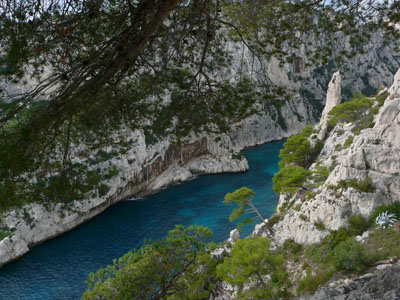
(395, 88)
(374, 154)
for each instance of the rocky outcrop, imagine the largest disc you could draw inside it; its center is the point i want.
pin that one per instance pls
(385, 285)
(372, 155)
(395, 88)
(333, 97)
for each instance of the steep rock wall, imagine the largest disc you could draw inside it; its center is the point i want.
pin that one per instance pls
(373, 154)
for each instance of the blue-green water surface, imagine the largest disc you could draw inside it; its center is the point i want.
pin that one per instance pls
(57, 269)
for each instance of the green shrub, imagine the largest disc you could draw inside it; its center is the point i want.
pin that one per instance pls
(297, 150)
(237, 155)
(321, 173)
(291, 246)
(382, 244)
(336, 237)
(111, 173)
(303, 217)
(249, 260)
(354, 110)
(175, 265)
(104, 156)
(381, 99)
(357, 224)
(297, 207)
(349, 256)
(275, 218)
(103, 190)
(310, 283)
(319, 225)
(323, 251)
(339, 132)
(289, 179)
(348, 142)
(364, 185)
(4, 234)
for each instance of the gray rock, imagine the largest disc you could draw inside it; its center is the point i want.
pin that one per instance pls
(374, 153)
(233, 236)
(384, 286)
(333, 98)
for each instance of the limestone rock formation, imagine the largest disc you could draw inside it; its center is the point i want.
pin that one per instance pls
(373, 155)
(333, 98)
(395, 88)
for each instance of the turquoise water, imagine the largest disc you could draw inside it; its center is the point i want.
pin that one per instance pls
(58, 268)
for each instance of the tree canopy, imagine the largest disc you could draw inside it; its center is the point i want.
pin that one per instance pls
(175, 267)
(77, 72)
(243, 198)
(254, 269)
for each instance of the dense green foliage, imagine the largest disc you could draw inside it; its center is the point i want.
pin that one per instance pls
(349, 256)
(348, 142)
(297, 150)
(251, 260)
(4, 234)
(357, 224)
(296, 156)
(321, 173)
(382, 244)
(364, 185)
(355, 110)
(175, 267)
(289, 179)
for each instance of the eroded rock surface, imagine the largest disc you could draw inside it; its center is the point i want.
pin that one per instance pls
(384, 286)
(374, 154)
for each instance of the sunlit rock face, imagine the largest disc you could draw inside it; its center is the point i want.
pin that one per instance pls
(374, 154)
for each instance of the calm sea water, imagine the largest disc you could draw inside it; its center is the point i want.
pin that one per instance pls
(58, 268)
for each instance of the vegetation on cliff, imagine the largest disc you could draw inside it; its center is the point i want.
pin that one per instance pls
(175, 267)
(296, 156)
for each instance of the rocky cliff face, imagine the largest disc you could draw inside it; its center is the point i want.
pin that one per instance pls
(373, 155)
